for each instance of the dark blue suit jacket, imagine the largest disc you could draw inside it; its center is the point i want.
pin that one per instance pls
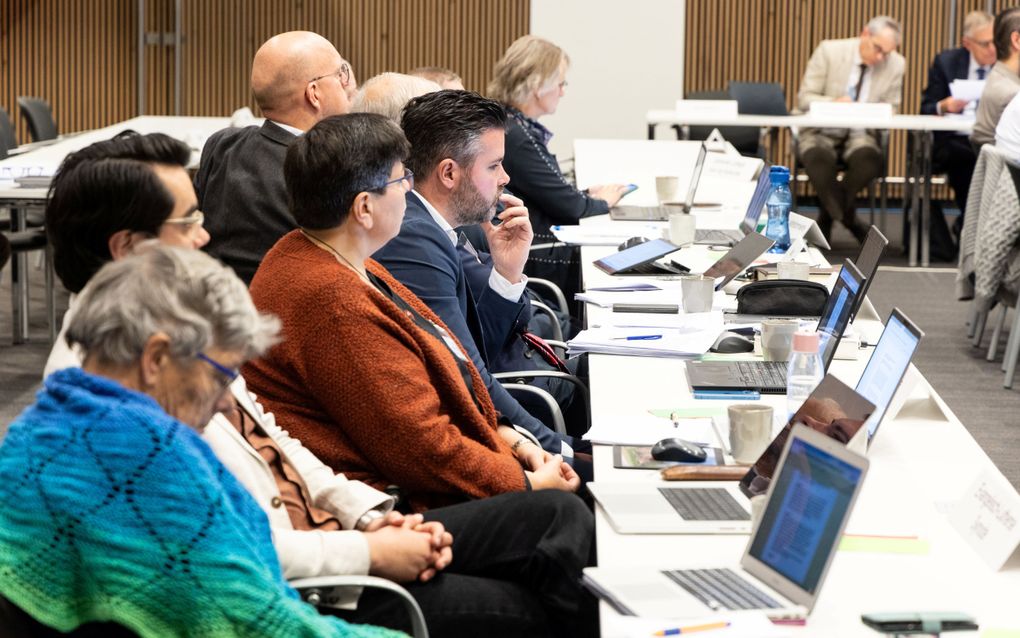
(423, 258)
(949, 65)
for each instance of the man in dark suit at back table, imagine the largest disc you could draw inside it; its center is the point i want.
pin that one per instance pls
(297, 78)
(953, 153)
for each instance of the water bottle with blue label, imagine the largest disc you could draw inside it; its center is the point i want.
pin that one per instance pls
(780, 199)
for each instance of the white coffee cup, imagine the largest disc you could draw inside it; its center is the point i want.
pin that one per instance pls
(777, 338)
(697, 292)
(681, 228)
(750, 431)
(666, 187)
(794, 270)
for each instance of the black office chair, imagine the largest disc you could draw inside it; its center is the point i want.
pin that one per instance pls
(8, 139)
(743, 138)
(40, 118)
(759, 98)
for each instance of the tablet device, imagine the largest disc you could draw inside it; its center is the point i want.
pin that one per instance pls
(634, 257)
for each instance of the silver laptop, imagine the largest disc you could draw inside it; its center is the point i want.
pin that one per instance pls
(884, 372)
(788, 556)
(749, 224)
(722, 507)
(661, 213)
(769, 377)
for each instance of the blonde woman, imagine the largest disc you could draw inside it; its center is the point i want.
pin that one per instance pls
(530, 80)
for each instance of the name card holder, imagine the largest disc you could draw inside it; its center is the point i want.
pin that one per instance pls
(706, 108)
(988, 517)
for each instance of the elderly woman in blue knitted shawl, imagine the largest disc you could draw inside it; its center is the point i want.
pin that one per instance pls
(112, 508)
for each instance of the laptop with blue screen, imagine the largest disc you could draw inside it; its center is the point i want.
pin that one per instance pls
(789, 553)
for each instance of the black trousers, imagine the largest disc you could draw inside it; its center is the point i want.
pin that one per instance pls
(517, 561)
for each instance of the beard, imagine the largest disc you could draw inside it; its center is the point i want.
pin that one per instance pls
(470, 207)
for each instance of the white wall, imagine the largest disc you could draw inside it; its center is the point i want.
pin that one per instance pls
(625, 57)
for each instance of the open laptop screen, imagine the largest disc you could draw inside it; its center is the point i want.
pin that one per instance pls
(738, 258)
(805, 514)
(758, 199)
(887, 365)
(836, 315)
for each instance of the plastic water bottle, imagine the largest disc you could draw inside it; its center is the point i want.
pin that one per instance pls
(778, 226)
(805, 370)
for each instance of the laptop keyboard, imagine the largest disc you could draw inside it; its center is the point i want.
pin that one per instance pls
(766, 374)
(721, 589)
(705, 504)
(715, 236)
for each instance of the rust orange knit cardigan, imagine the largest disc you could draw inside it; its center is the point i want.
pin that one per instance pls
(368, 391)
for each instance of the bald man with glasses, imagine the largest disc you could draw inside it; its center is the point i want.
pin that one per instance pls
(862, 69)
(298, 78)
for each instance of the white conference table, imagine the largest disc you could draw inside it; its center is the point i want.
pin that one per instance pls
(919, 151)
(920, 459)
(43, 161)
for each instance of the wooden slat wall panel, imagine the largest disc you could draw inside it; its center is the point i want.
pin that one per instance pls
(77, 54)
(81, 55)
(771, 41)
(375, 35)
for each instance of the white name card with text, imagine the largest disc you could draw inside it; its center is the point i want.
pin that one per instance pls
(706, 108)
(988, 517)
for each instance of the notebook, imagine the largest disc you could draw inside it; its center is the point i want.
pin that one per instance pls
(722, 507)
(769, 377)
(788, 556)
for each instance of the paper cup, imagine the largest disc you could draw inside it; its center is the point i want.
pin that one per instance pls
(681, 228)
(750, 431)
(777, 338)
(666, 187)
(697, 292)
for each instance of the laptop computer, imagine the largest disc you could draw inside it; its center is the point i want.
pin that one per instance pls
(726, 237)
(661, 213)
(788, 556)
(722, 507)
(640, 260)
(769, 377)
(867, 262)
(888, 364)
(737, 259)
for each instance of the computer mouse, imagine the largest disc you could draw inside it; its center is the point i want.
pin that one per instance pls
(730, 342)
(630, 243)
(678, 450)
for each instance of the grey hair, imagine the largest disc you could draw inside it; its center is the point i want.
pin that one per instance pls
(185, 294)
(387, 93)
(879, 23)
(976, 20)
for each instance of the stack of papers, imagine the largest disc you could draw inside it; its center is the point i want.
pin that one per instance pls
(690, 338)
(967, 90)
(603, 235)
(646, 429)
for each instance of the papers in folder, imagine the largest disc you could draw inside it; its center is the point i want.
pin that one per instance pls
(692, 340)
(602, 235)
(967, 90)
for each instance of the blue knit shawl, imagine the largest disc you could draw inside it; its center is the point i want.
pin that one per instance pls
(111, 510)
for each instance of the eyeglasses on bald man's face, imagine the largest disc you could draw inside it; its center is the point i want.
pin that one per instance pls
(343, 73)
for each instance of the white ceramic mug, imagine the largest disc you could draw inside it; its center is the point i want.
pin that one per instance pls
(794, 270)
(750, 431)
(777, 338)
(681, 228)
(666, 187)
(697, 292)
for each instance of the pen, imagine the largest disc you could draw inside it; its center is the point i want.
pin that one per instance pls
(638, 338)
(690, 629)
(744, 395)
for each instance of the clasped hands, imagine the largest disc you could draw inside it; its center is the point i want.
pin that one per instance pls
(404, 548)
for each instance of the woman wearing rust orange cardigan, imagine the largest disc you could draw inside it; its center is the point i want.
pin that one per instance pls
(368, 377)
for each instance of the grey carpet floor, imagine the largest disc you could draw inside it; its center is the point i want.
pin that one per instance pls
(971, 386)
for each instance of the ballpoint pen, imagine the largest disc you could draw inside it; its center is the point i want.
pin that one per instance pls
(638, 338)
(690, 629)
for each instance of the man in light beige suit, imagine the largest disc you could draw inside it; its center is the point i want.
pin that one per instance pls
(862, 69)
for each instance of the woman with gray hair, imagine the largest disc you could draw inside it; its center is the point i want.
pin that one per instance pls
(115, 510)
